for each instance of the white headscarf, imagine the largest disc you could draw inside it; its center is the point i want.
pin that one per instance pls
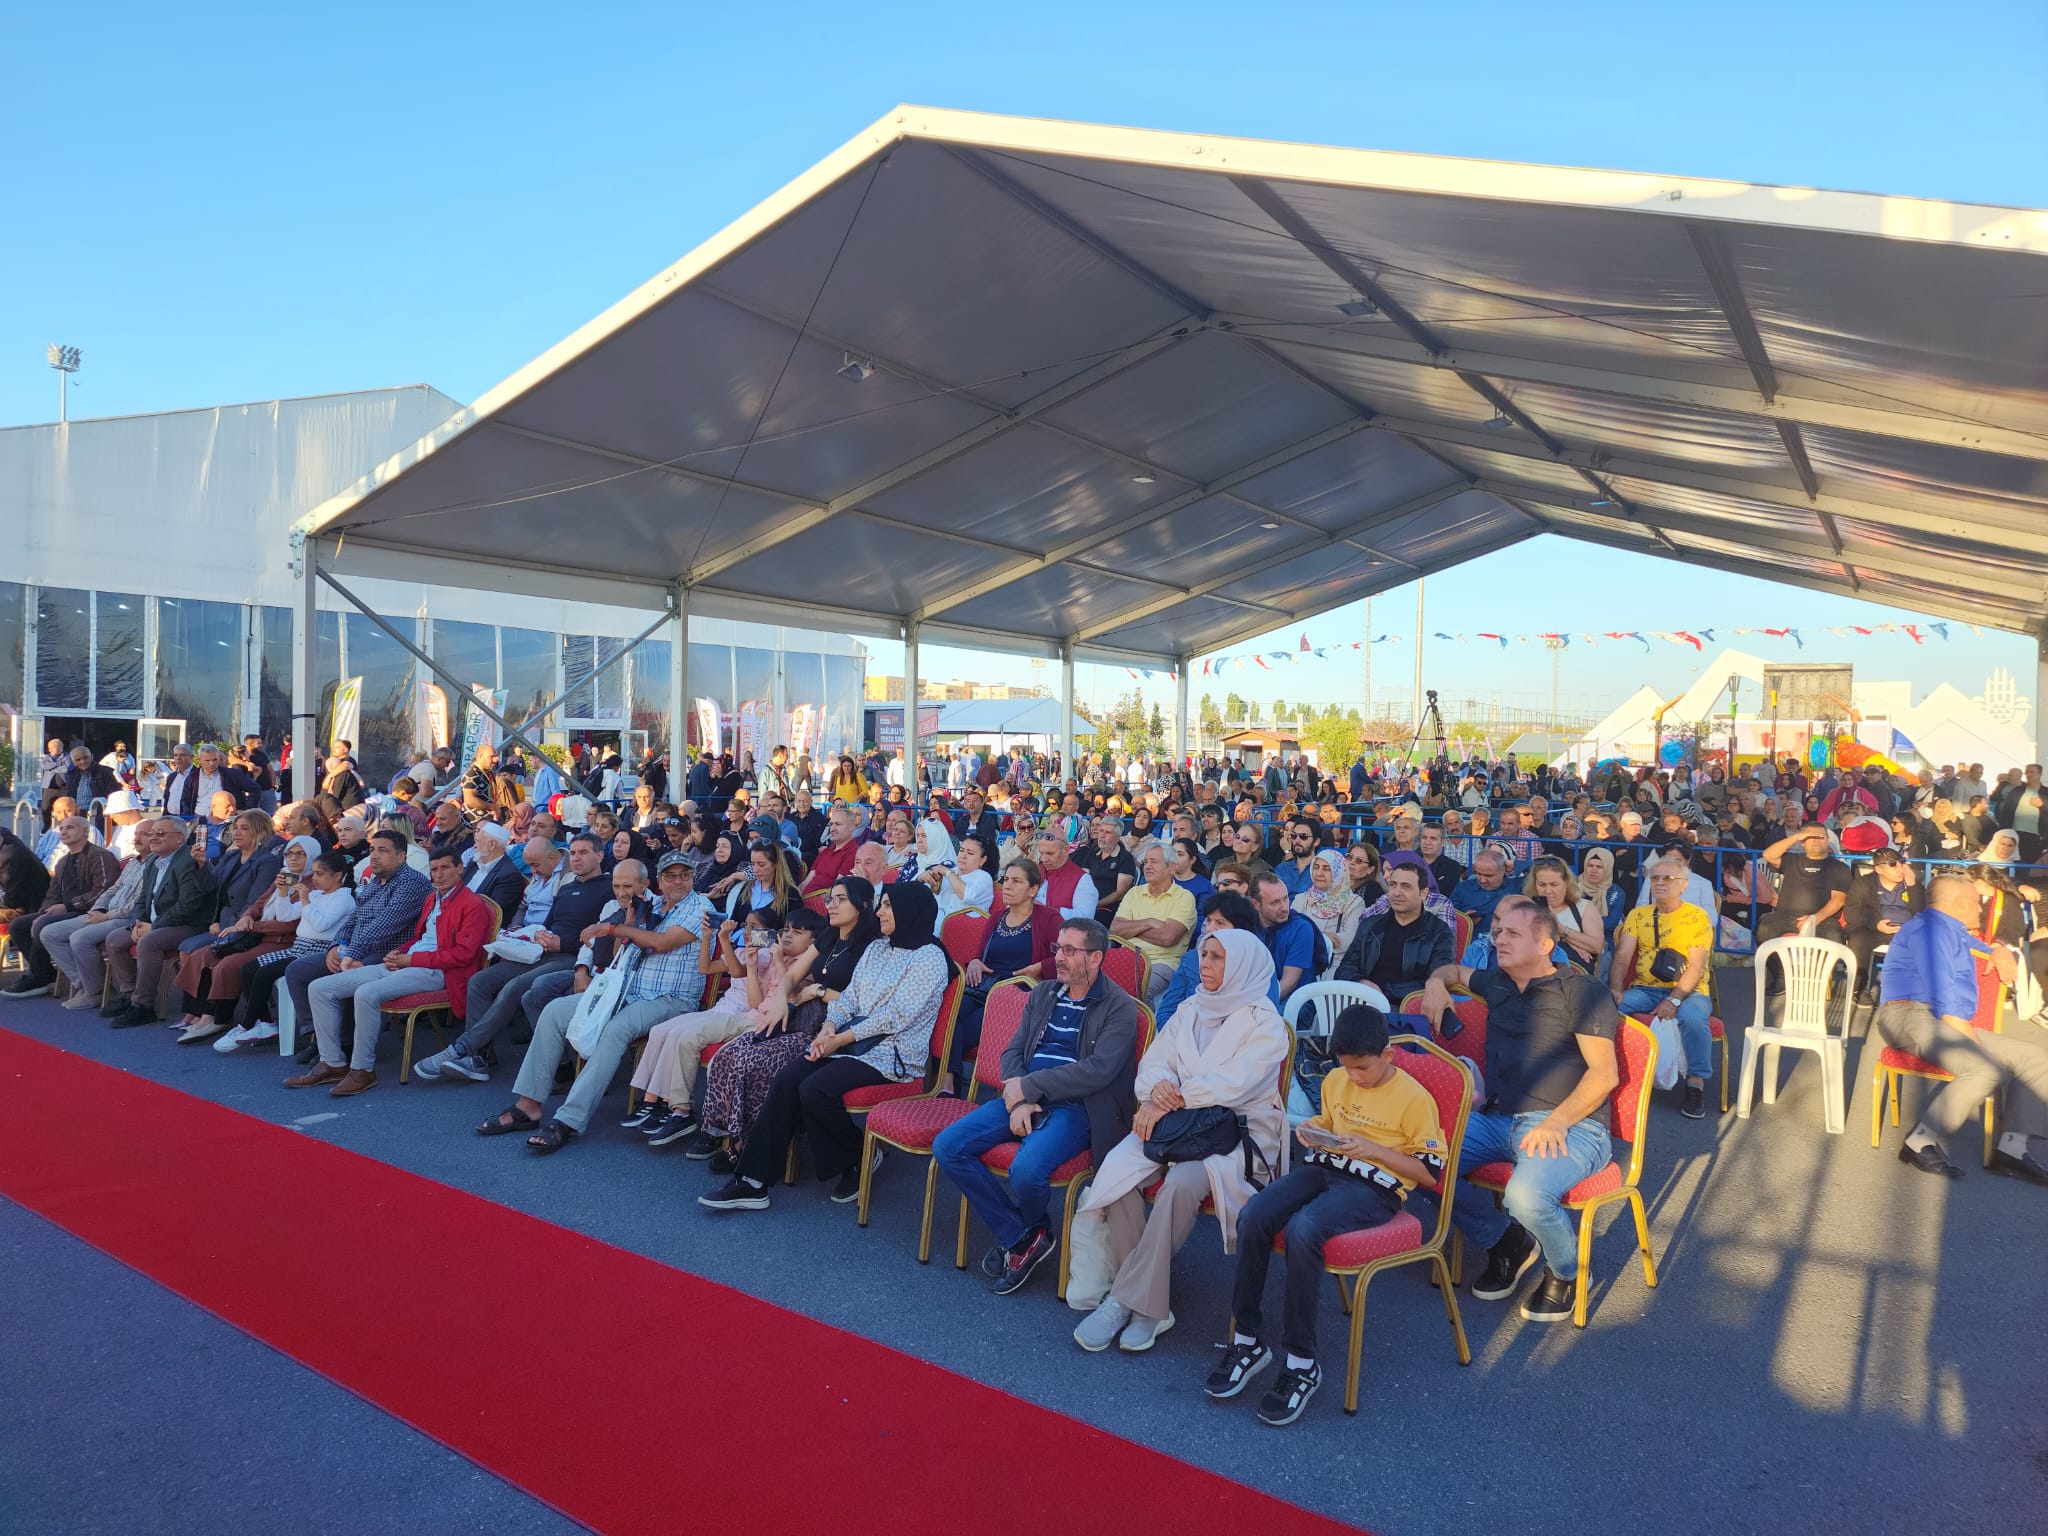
(938, 844)
(1247, 977)
(310, 847)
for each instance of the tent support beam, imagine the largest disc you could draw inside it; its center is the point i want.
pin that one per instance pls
(678, 691)
(1180, 712)
(911, 733)
(305, 726)
(1063, 738)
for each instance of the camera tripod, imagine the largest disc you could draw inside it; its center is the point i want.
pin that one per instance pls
(1430, 716)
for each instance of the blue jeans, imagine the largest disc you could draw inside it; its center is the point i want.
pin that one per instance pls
(1013, 1213)
(1693, 1014)
(1535, 1194)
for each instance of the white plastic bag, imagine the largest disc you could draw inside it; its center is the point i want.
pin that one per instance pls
(1088, 1272)
(521, 951)
(1670, 1051)
(594, 1006)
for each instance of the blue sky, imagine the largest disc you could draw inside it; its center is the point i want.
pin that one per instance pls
(244, 202)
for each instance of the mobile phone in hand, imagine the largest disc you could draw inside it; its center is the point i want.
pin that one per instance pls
(1315, 1136)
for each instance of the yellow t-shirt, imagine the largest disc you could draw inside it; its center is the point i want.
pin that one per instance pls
(1683, 930)
(1399, 1114)
(1176, 906)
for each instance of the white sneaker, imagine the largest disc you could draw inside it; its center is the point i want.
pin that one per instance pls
(78, 1002)
(262, 1029)
(205, 1029)
(1099, 1329)
(1142, 1333)
(233, 1039)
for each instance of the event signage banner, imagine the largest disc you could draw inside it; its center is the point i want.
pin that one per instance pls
(479, 730)
(433, 710)
(348, 711)
(709, 738)
(803, 725)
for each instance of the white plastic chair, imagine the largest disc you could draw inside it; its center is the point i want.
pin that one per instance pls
(1340, 995)
(1812, 1019)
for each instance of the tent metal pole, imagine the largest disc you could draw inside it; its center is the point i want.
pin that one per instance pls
(305, 721)
(678, 692)
(512, 733)
(910, 682)
(1063, 728)
(1180, 712)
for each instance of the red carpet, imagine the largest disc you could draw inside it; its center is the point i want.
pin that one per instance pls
(806, 1428)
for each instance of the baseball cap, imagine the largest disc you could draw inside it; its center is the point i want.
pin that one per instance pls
(766, 828)
(671, 861)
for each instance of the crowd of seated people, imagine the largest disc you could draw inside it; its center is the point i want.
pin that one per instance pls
(821, 907)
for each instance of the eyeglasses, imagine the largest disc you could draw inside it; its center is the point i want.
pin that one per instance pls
(1071, 950)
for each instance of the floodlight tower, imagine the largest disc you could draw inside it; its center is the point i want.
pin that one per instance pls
(65, 361)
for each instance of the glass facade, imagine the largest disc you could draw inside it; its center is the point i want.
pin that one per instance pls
(72, 652)
(199, 666)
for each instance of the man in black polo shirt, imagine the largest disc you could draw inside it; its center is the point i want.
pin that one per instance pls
(1813, 886)
(1549, 1069)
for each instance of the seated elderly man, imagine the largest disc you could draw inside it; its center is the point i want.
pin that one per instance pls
(447, 949)
(178, 903)
(49, 845)
(76, 945)
(1066, 1088)
(492, 874)
(1926, 1000)
(836, 853)
(1156, 918)
(1660, 969)
(661, 980)
(83, 874)
(558, 907)
(1067, 887)
(389, 897)
(1482, 891)
(80, 780)
(1550, 1065)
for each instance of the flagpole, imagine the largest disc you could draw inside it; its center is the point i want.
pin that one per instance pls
(1368, 658)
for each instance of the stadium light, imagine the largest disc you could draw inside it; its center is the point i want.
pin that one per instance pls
(65, 361)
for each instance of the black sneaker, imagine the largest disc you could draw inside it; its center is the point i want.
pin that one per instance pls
(28, 986)
(848, 1187)
(133, 1016)
(724, 1160)
(672, 1127)
(1694, 1105)
(1288, 1395)
(1506, 1262)
(1019, 1265)
(1233, 1373)
(649, 1112)
(736, 1194)
(993, 1261)
(1551, 1301)
(703, 1146)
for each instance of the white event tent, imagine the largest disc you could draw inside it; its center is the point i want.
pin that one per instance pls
(1117, 394)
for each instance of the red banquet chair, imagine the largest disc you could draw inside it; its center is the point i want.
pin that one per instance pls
(1461, 931)
(1628, 1115)
(1469, 1042)
(818, 901)
(964, 934)
(1894, 1065)
(861, 1102)
(912, 1125)
(1358, 1256)
(1126, 967)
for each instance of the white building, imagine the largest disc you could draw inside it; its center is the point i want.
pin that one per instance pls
(148, 579)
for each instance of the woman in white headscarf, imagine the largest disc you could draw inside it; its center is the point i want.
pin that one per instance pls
(1224, 1046)
(1331, 905)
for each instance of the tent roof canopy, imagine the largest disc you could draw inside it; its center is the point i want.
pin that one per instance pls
(1032, 382)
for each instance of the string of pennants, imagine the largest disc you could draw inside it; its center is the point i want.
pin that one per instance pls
(1698, 639)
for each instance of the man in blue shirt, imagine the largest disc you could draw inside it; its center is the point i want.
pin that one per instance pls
(1481, 891)
(1290, 937)
(1300, 840)
(1925, 1003)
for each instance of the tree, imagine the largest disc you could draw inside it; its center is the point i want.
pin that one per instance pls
(1279, 710)
(1235, 710)
(1156, 728)
(1334, 741)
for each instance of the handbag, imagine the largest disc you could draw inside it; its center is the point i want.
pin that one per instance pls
(1191, 1135)
(1667, 964)
(235, 944)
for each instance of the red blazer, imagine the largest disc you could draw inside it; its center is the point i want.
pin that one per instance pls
(459, 943)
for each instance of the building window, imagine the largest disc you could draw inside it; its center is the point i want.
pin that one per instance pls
(89, 651)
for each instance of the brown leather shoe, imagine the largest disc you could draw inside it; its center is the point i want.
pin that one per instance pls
(357, 1081)
(321, 1073)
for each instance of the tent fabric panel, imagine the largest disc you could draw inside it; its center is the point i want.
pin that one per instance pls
(1189, 628)
(1389, 388)
(1058, 600)
(1343, 482)
(1545, 474)
(1026, 486)
(1197, 543)
(1650, 428)
(1604, 288)
(910, 282)
(1202, 408)
(854, 562)
(1929, 471)
(1437, 533)
(1960, 333)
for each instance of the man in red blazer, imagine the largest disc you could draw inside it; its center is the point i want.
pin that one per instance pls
(446, 950)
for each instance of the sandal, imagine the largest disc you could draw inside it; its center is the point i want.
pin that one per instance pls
(498, 1125)
(552, 1137)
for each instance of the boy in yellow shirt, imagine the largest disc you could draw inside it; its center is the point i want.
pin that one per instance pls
(1376, 1138)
